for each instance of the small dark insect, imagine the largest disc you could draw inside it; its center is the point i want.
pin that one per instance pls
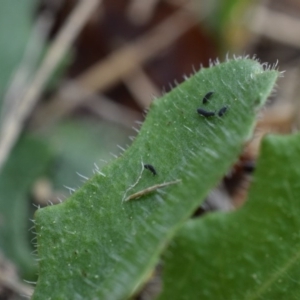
(249, 166)
(206, 97)
(205, 113)
(150, 168)
(222, 111)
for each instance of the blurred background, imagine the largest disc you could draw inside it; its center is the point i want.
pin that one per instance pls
(77, 76)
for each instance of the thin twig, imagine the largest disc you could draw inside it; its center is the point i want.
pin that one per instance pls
(13, 125)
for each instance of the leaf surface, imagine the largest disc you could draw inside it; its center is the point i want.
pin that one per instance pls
(95, 245)
(252, 253)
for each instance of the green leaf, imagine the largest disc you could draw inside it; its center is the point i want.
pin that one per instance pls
(96, 246)
(252, 253)
(29, 159)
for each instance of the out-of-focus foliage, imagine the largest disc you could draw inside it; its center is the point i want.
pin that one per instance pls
(15, 25)
(226, 21)
(29, 160)
(81, 145)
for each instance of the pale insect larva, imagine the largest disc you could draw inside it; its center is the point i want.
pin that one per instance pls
(151, 189)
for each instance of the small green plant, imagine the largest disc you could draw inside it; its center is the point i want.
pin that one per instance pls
(96, 245)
